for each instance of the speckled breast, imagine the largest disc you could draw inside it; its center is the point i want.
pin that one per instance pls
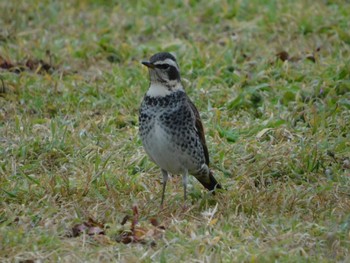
(168, 133)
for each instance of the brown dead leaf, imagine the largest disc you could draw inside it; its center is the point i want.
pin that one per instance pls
(140, 234)
(125, 237)
(36, 65)
(283, 55)
(3, 63)
(154, 221)
(91, 227)
(6, 64)
(78, 229)
(95, 223)
(95, 231)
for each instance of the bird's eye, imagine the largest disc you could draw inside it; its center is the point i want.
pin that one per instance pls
(163, 66)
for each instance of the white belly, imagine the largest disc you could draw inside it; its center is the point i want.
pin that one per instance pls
(163, 151)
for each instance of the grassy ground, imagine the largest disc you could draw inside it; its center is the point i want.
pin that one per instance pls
(272, 82)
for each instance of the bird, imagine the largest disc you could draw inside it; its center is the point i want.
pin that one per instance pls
(170, 126)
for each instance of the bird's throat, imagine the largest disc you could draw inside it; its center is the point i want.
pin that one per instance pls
(162, 90)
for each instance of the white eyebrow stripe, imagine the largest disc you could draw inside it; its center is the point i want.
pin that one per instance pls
(168, 61)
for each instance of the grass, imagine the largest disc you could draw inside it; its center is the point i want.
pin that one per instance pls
(272, 82)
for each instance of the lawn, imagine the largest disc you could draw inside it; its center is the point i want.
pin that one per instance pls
(271, 80)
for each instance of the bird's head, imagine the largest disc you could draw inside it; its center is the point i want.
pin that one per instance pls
(163, 71)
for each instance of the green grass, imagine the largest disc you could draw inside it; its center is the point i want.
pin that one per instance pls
(278, 131)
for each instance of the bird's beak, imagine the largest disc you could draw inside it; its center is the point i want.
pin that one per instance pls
(148, 64)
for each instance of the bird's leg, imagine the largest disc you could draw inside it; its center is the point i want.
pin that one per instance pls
(184, 182)
(165, 179)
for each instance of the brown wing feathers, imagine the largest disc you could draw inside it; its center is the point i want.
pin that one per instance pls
(212, 184)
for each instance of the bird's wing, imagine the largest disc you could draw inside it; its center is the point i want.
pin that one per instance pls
(199, 129)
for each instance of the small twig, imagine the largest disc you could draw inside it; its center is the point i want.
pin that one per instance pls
(48, 53)
(3, 88)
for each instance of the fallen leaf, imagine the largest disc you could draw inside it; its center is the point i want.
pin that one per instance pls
(213, 221)
(262, 133)
(91, 228)
(36, 65)
(78, 229)
(95, 231)
(283, 55)
(154, 221)
(140, 234)
(27, 261)
(92, 222)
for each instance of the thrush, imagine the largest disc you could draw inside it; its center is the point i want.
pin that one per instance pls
(170, 128)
